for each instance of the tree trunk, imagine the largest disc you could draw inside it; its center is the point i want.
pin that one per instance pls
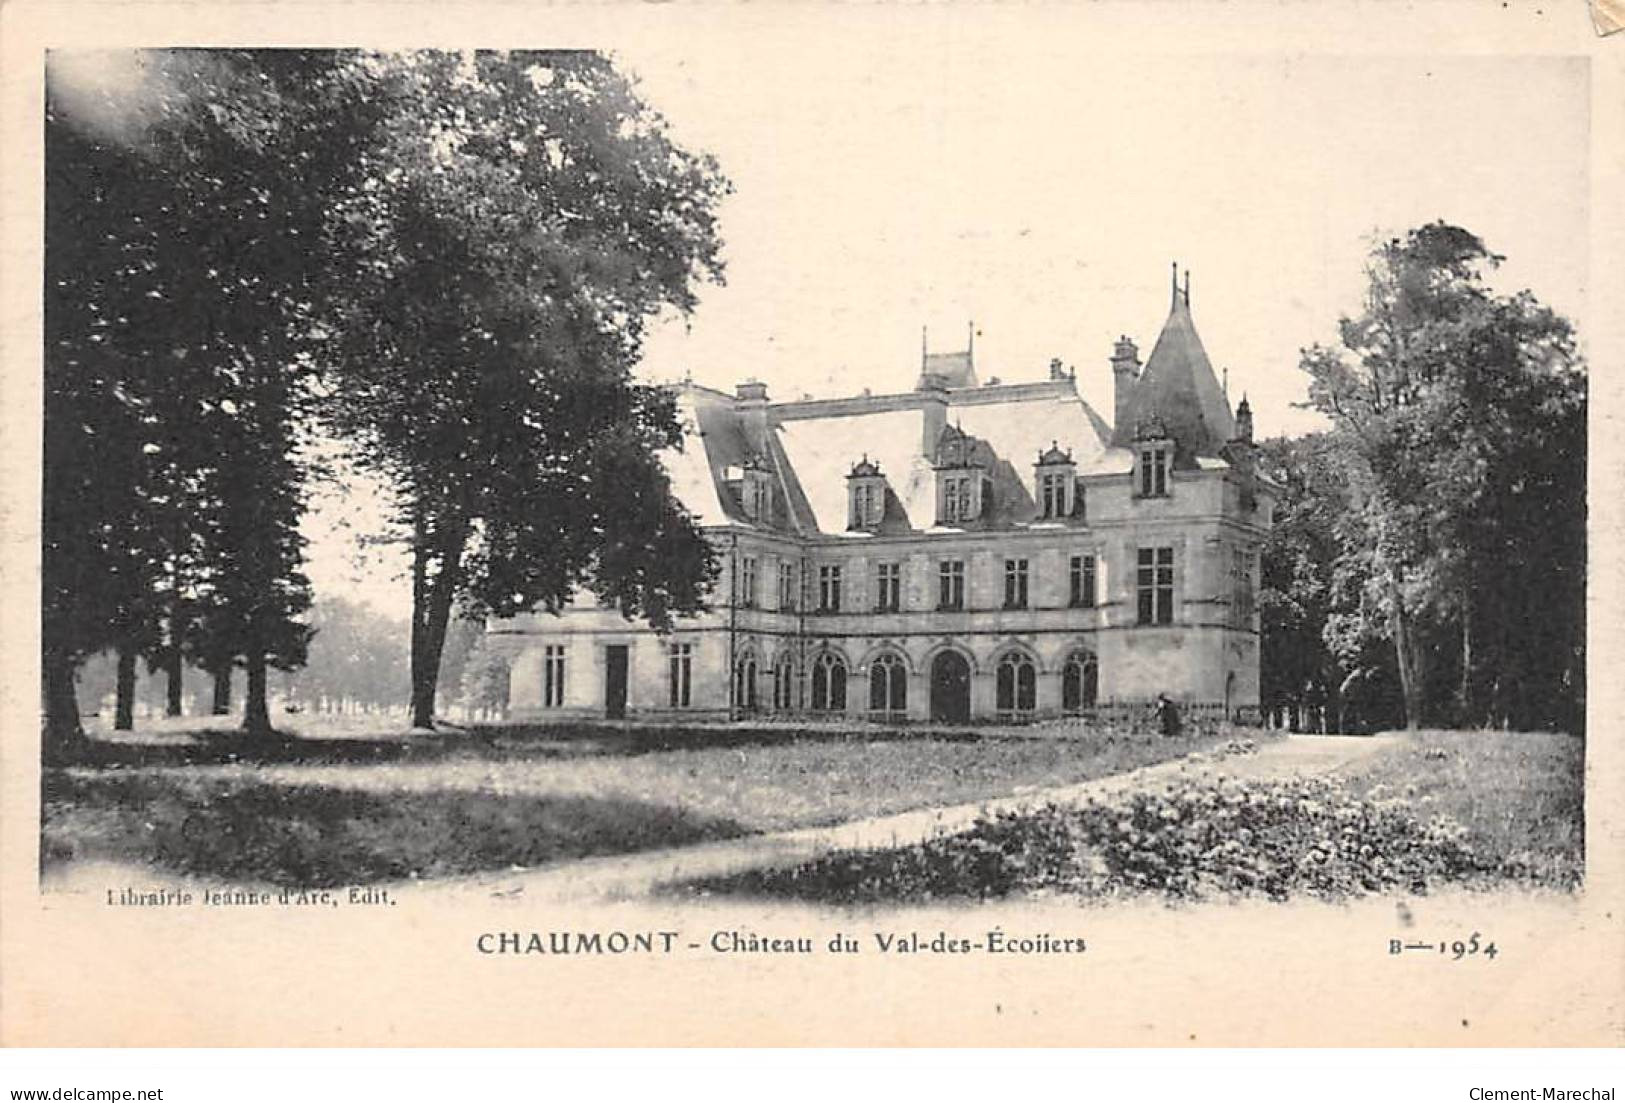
(63, 737)
(431, 611)
(1465, 692)
(124, 711)
(222, 693)
(1410, 682)
(173, 675)
(256, 714)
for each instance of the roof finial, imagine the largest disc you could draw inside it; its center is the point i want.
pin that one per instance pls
(1226, 383)
(1176, 283)
(922, 348)
(1187, 287)
(970, 342)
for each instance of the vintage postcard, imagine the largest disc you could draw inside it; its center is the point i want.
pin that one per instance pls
(805, 524)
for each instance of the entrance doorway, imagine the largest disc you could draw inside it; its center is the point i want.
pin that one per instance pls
(615, 681)
(950, 688)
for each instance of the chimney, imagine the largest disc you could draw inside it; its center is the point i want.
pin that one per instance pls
(750, 399)
(1125, 373)
(933, 392)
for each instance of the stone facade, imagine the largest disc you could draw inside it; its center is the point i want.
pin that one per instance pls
(958, 552)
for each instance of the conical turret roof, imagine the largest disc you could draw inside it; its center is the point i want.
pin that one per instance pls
(1178, 388)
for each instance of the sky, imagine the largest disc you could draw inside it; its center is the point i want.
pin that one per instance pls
(1043, 193)
(944, 171)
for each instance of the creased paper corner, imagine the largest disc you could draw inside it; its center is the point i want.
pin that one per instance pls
(1608, 16)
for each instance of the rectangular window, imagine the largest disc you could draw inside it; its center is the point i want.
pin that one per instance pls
(1052, 490)
(552, 677)
(682, 669)
(787, 585)
(1154, 584)
(1083, 582)
(829, 589)
(1015, 584)
(868, 505)
(1153, 472)
(747, 581)
(951, 584)
(1241, 588)
(956, 498)
(888, 587)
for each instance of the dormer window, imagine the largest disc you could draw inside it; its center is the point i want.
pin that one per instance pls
(1154, 454)
(957, 503)
(1153, 465)
(866, 495)
(963, 488)
(754, 484)
(865, 507)
(1056, 483)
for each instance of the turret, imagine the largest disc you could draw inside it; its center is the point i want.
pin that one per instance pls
(1244, 421)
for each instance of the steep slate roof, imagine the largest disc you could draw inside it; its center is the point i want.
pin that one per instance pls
(1018, 431)
(821, 450)
(812, 446)
(714, 439)
(1179, 387)
(694, 480)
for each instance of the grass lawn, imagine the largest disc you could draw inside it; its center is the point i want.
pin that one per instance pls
(1481, 809)
(1519, 795)
(332, 812)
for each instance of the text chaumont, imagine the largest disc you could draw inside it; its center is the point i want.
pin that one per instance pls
(1516, 1095)
(576, 942)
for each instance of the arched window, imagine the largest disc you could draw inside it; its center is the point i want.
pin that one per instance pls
(784, 684)
(744, 687)
(1017, 684)
(888, 684)
(829, 683)
(1080, 681)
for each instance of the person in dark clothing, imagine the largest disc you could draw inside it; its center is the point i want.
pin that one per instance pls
(1167, 715)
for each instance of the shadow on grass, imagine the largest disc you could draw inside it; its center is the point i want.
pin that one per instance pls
(314, 836)
(218, 747)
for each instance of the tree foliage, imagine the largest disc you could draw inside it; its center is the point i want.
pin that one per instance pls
(356, 658)
(181, 227)
(1449, 493)
(449, 260)
(520, 223)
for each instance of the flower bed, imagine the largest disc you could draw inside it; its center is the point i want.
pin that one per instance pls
(1202, 838)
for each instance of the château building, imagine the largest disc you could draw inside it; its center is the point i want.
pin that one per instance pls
(966, 550)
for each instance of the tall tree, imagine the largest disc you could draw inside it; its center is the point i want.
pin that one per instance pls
(524, 217)
(1459, 415)
(100, 555)
(184, 210)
